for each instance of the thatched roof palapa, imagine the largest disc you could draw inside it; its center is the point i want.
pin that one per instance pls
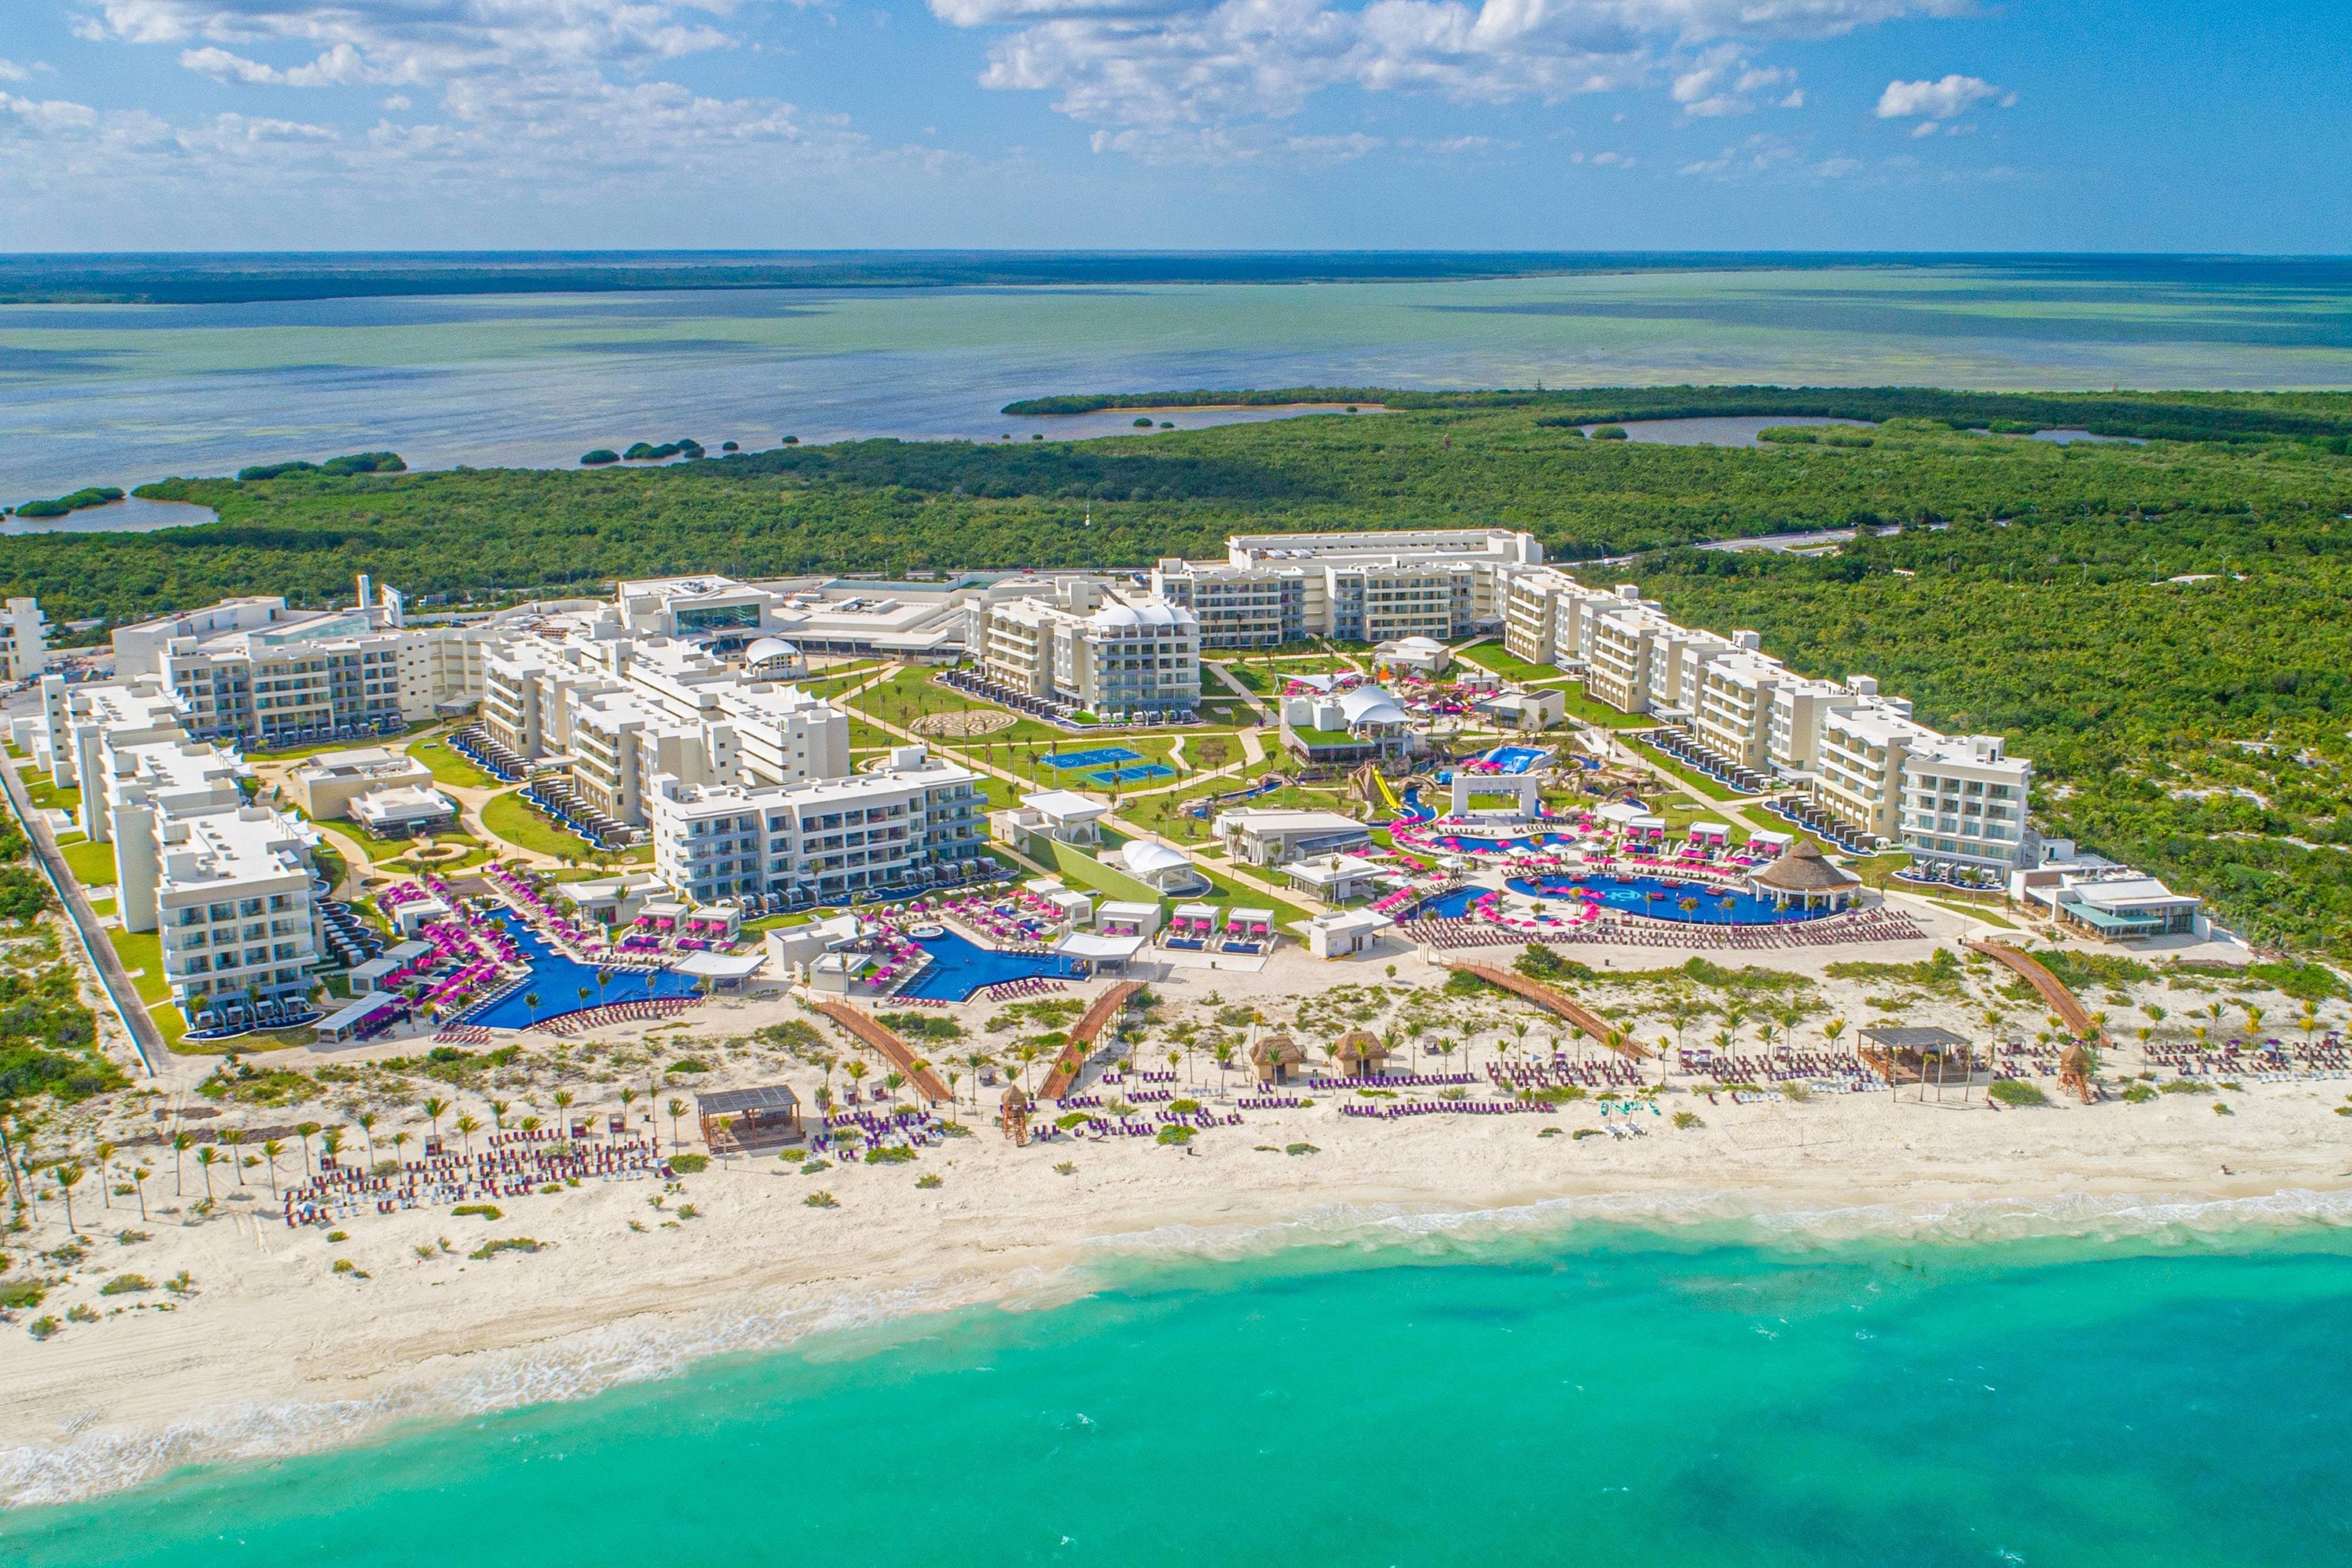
(1277, 1050)
(1359, 1046)
(1016, 1098)
(1802, 869)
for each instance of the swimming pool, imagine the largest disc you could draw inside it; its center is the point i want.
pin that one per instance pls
(557, 981)
(1662, 899)
(959, 967)
(1451, 904)
(1518, 758)
(1099, 757)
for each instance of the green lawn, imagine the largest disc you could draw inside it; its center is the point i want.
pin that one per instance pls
(448, 768)
(511, 821)
(1692, 777)
(46, 796)
(92, 864)
(290, 753)
(1509, 665)
(142, 953)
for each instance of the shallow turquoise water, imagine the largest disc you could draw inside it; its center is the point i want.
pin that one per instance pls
(127, 393)
(1615, 1397)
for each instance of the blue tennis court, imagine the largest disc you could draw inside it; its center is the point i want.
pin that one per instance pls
(1128, 775)
(1100, 757)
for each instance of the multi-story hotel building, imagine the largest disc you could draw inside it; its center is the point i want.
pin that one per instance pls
(253, 671)
(914, 822)
(1869, 764)
(1092, 650)
(1372, 587)
(23, 641)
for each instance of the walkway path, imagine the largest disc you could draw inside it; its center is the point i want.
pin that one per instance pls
(893, 1050)
(1265, 715)
(2053, 990)
(107, 964)
(1561, 1006)
(1082, 1037)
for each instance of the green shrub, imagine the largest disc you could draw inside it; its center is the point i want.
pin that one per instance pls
(820, 1200)
(1688, 1119)
(599, 457)
(1300, 1149)
(43, 1327)
(505, 1244)
(1175, 1136)
(486, 1211)
(930, 1181)
(893, 1154)
(2138, 1094)
(126, 1285)
(19, 1294)
(2017, 1091)
(689, 1164)
(1609, 432)
(687, 1064)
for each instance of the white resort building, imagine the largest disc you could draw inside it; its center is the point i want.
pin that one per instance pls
(914, 824)
(1087, 650)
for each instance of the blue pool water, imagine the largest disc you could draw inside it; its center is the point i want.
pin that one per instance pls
(557, 980)
(1451, 905)
(959, 967)
(1099, 757)
(1634, 894)
(1518, 758)
(1127, 775)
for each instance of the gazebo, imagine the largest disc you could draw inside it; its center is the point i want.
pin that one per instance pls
(1360, 1053)
(749, 1121)
(1275, 1058)
(1921, 1055)
(1801, 879)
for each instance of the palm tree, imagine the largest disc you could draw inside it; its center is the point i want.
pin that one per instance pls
(467, 1127)
(182, 1143)
(2253, 1021)
(498, 1107)
(434, 1108)
(68, 1175)
(306, 1131)
(234, 1138)
(531, 1000)
(272, 1149)
(105, 1153)
(857, 1071)
(139, 1175)
(676, 1108)
(206, 1158)
(399, 1141)
(1222, 1053)
(366, 1122)
(331, 1144)
(628, 1098)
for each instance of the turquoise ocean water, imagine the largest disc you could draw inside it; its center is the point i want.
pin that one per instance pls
(1599, 1393)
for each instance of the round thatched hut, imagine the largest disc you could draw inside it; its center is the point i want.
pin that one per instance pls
(1013, 1114)
(1802, 880)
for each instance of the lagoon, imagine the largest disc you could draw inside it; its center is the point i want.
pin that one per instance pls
(127, 393)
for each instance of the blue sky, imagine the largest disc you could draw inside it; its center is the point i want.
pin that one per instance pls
(1717, 124)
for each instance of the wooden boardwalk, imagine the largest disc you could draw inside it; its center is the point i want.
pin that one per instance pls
(2053, 990)
(1082, 1039)
(1557, 1004)
(894, 1050)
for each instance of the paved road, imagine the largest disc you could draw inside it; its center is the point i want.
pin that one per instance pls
(116, 980)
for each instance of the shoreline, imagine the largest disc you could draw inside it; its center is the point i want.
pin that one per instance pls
(275, 1357)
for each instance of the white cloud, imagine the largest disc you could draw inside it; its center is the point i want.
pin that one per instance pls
(1171, 63)
(1942, 99)
(11, 71)
(1722, 82)
(1766, 155)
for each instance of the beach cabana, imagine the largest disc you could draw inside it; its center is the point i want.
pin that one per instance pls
(1099, 953)
(1708, 835)
(1342, 932)
(1121, 918)
(347, 1023)
(749, 1121)
(1360, 1053)
(1276, 1058)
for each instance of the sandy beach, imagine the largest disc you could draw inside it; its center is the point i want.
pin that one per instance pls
(273, 1350)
